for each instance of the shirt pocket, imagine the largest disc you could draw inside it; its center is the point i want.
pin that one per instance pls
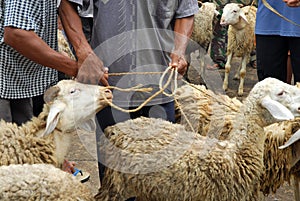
(163, 9)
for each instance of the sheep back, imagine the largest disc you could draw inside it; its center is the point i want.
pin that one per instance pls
(210, 114)
(40, 182)
(203, 24)
(168, 163)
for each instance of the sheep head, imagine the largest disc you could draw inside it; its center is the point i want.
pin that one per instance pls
(277, 100)
(209, 7)
(74, 105)
(232, 13)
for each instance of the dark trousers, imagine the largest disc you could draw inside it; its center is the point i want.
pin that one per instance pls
(110, 116)
(18, 111)
(272, 53)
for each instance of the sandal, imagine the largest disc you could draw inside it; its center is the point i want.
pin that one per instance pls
(81, 176)
(252, 62)
(213, 67)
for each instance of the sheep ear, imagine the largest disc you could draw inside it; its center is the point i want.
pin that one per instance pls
(294, 142)
(50, 94)
(243, 16)
(277, 110)
(294, 138)
(89, 125)
(53, 117)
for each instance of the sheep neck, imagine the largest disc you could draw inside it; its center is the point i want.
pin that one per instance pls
(249, 129)
(241, 24)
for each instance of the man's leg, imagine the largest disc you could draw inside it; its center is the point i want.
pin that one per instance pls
(271, 54)
(5, 110)
(21, 110)
(294, 44)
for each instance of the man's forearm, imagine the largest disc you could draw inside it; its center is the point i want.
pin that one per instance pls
(34, 48)
(183, 30)
(72, 26)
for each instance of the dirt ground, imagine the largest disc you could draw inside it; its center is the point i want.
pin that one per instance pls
(83, 150)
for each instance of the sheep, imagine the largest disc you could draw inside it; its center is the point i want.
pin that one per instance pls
(205, 112)
(241, 37)
(203, 24)
(169, 163)
(63, 45)
(40, 182)
(212, 115)
(46, 138)
(202, 34)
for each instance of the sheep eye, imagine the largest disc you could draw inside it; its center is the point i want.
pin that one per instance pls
(72, 91)
(234, 11)
(281, 93)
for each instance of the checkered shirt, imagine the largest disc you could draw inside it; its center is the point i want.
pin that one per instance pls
(19, 76)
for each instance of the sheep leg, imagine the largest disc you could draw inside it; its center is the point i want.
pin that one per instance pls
(296, 187)
(242, 75)
(227, 70)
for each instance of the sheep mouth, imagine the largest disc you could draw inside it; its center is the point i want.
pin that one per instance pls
(106, 94)
(223, 23)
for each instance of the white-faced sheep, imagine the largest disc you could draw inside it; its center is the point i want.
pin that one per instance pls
(169, 163)
(69, 105)
(241, 37)
(212, 115)
(40, 182)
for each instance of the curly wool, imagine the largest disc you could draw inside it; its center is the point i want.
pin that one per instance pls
(169, 163)
(40, 182)
(203, 24)
(278, 161)
(209, 114)
(198, 104)
(22, 144)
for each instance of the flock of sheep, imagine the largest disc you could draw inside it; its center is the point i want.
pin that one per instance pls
(219, 149)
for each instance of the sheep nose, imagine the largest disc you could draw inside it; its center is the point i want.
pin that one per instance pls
(107, 91)
(222, 21)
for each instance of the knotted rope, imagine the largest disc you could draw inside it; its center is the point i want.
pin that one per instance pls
(161, 88)
(173, 72)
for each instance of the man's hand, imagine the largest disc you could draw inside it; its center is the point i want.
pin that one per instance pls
(292, 3)
(179, 62)
(92, 71)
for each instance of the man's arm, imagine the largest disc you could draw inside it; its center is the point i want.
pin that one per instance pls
(34, 48)
(183, 30)
(292, 3)
(91, 67)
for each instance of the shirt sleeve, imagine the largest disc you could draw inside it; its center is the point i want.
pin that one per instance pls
(186, 8)
(21, 14)
(78, 2)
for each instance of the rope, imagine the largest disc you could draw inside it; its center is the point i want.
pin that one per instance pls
(277, 13)
(175, 82)
(143, 89)
(161, 90)
(134, 73)
(217, 100)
